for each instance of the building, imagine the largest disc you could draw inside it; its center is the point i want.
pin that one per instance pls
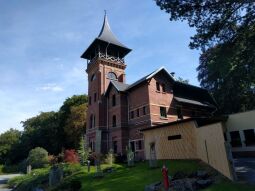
(240, 133)
(191, 138)
(117, 111)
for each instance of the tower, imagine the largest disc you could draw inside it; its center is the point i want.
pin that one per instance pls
(105, 62)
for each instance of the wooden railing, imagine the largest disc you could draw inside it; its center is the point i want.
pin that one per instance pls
(107, 57)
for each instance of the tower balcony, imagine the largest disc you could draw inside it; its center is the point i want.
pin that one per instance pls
(106, 57)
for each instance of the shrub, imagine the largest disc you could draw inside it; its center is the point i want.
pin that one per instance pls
(71, 156)
(38, 157)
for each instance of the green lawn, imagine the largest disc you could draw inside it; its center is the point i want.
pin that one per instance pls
(133, 179)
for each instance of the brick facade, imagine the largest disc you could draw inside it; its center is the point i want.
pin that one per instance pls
(118, 111)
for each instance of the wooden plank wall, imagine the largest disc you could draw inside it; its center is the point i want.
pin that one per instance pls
(184, 148)
(205, 143)
(211, 148)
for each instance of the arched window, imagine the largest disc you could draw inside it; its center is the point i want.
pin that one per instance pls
(114, 121)
(112, 76)
(93, 77)
(94, 121)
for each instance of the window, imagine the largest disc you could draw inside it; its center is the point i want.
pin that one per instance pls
(89, 100)
(179, 112)
(91, 121)
(114, 121)
(174, 137)
(113, 100)
(163, 88)
(137, 112)
(249, 137)
(94, 121)
(163, 112)
(132, 115)
(92, 146)
(115, 146)
(235, 139)
(95, 97)
(93, 77)
(138, 145)
(144, 110)
(158, 86)
(112, 76)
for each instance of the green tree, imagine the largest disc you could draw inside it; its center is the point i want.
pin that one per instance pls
(83, 150)
(38, 157)
(7, 141)
(44, 131)
(225, 34)
(73, 119)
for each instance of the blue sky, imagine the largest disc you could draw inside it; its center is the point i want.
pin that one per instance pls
(41, 42)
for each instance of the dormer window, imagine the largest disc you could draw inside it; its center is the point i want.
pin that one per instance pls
(112, 76)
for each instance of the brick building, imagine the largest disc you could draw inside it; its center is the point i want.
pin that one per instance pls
(117, 110)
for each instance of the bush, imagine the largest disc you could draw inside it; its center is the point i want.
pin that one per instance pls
(38, 157)
(71, 156)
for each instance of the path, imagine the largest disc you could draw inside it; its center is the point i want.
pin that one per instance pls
(245, 169)
(4, 179)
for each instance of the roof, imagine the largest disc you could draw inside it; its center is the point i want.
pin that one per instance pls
(183, 93)
(200, 121)
(106, 40)
(107, 35)
(186, 93)
(121, 87)
(149, 76)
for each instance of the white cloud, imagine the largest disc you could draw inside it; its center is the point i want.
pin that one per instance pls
(51, 87)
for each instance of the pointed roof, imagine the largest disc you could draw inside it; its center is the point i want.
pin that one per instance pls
(107, 35)
(106, 40)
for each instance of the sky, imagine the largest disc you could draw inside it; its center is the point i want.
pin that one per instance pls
(41, 43)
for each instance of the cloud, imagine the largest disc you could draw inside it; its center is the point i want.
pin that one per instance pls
(50, 87)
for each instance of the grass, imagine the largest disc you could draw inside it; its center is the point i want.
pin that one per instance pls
(123, 178)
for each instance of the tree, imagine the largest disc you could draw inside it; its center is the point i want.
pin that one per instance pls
(225, 34)
(7, 141)
(83, 150)
(182, 80)
(38, 157)
(73, 119)
(44, 131)
(71, 156)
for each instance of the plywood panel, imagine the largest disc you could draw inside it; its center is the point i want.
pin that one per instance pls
(184, 148)
(211, 148)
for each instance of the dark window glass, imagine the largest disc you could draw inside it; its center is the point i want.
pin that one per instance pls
(95, 97)
(91, 121)
(89, 100)
(132, 143)
(137, 113)
(249, 137)
(115, 146)
(163, 88)
(112, 76)
(93, 77)
(144, 110)
(94, 121)
(235, 139)
(132, 114)
(114, 121)
(174, 137)
(179, 113)
(163, 112)
(158, 86)
(139, 145)
(113, 100)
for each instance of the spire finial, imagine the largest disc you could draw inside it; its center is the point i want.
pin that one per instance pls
(104, 12)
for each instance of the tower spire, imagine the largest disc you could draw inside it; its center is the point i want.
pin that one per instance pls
(106, 40)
